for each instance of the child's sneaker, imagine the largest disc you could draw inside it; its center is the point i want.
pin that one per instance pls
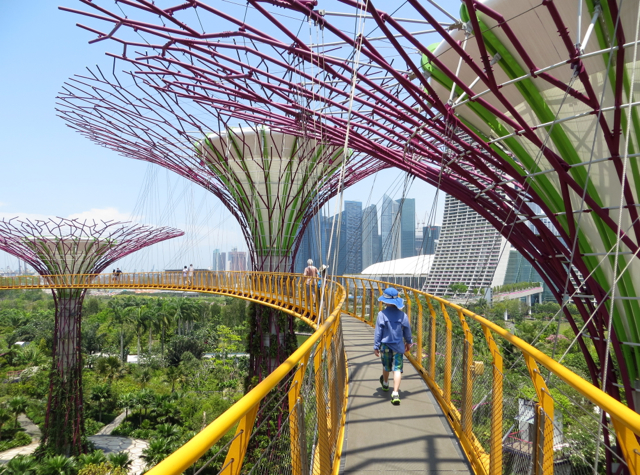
(395, 399)
(385, 386)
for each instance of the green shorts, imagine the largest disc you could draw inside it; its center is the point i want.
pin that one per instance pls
(391, 361)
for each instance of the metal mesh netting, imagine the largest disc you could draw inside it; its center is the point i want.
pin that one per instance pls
(304, 439)
(495, 404)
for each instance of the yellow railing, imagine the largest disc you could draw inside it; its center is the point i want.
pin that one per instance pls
(453, 346)
(502, 427)
(314, 376)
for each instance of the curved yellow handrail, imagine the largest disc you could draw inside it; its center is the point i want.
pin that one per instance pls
(286, 292)
(626, 422)
(289, 293)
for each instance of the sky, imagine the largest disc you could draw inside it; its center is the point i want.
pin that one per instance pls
(48, 170)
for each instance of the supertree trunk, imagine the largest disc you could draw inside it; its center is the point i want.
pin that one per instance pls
(64, 423)
(272, 337)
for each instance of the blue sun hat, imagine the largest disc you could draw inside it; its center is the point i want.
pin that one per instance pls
(390, 296)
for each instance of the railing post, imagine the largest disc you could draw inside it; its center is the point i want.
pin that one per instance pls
(322, 460)
(467, 381)
(432, 342)
(372, 304)
(447, 355)
(495, 454)
(297, 432)
(364, 301)
(543, 448)
(238, 448)
(419, 329)
(408, 312)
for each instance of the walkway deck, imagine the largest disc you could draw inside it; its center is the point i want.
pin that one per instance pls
(412, 438)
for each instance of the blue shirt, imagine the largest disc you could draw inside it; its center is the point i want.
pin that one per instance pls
(392, 327)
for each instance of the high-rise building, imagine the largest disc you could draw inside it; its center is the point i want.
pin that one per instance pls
(370, 237)
(430, 237)
(237, 260)
(216, 260)
(352, 231)
(314, 243)
(390, 229)
(407, 210)
(470, 251)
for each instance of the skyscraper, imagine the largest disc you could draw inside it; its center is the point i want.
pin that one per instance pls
(237, 260)
(430, 237)
(216, 261)
(370, 237)
(407, 209)
(352, 230)
(390, 229)
(314, 243)
(470, 251)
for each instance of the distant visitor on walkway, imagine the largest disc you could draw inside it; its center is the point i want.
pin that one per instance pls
(392, 338)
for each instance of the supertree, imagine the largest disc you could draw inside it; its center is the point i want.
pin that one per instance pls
(273, 182)
(71, 248)
(535, 130)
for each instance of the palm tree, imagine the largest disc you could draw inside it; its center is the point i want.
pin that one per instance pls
(173, 375)
(18, 405)
(21, 465)
(57, 465)
(143, 376)
(168, 431)
(120, 459)
(117, 311)
(138, 316)
(94, 458)
(158, 450)
(101, 394)
(127, 401)
(164, 311)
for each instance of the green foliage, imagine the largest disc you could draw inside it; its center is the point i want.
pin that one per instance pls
(458, 288)
(507, 288)
(158, 450)
(94, 458)
(120, 459)
(104, 468)
(20, 465)
(180, 345)
(57, 465)
(18, 440)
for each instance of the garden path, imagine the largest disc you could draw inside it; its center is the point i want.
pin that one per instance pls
(107, 443)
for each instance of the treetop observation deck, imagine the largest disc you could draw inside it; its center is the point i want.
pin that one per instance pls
(512, 408)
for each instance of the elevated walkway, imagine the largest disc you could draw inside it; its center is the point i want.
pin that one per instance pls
(412, 438)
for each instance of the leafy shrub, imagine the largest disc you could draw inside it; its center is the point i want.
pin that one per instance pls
(92, 427)
(182, 344)
(120, 459)
(21, 465)
(19, 439)
(104, 468)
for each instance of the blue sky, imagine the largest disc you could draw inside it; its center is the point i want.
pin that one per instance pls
(49, 170)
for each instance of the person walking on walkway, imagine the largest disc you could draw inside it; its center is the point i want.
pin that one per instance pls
(190, 274)
(392, 338)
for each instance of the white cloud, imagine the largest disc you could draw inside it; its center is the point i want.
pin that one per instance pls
(104, 214)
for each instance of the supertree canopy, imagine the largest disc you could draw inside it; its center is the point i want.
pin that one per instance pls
(524, 111)
(272, 181)
(60, 247)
